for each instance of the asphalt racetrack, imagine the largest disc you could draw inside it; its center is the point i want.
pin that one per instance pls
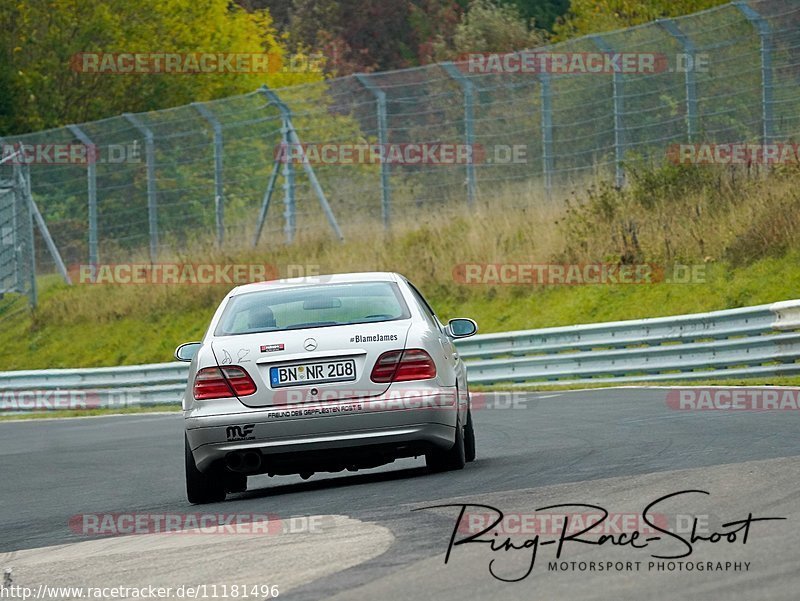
(373, 534)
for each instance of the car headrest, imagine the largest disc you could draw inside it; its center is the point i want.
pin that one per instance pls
(261, 317)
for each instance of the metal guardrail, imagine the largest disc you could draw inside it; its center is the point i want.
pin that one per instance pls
(129, 385)
(752, 341)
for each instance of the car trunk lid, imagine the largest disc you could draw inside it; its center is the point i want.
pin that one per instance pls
(290, 366)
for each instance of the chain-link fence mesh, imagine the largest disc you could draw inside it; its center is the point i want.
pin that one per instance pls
(167, 181)
(17, 280)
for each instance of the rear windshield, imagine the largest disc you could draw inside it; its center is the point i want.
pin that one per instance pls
(312, 307)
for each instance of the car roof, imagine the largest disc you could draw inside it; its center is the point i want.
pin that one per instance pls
(334, 278)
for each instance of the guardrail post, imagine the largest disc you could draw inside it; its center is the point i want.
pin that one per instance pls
(690, 81)
(547, 132)
(469, 125)
(617, 83)
(765, 36)
(152, 206)
(219, 194)
(91, 176)
(383, 140)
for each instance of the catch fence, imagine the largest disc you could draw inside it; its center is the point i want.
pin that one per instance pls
(485, 130)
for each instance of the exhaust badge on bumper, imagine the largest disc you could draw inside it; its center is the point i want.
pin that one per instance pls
(238, 433)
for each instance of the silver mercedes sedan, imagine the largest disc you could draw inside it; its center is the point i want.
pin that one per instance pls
(323, 374)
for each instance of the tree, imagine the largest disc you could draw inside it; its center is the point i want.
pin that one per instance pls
(489, 27)
(594, 16)
(544, 13)
(356, 35)
(41, 37)
(279, 10)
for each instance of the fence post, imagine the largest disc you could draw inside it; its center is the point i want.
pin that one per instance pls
(6, 155)
(690, 81)
(383, 141)
(23, 175)
(152, 206)
(262, 214)
(91, 175)
(619, 108)
(219, 193)
(765, 36)
(36, 217)
(22, 252)
(469, 125)
(288, 169)
(291, 137)
(547, 132)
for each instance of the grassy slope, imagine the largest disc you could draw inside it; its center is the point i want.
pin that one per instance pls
(142, 338)
(746, 231)
(763, 282)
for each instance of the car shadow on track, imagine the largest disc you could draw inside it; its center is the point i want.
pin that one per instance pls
(331, 481)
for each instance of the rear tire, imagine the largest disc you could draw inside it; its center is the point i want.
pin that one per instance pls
(235, 482)
(202, 487)
(452, 459)
(469, 439)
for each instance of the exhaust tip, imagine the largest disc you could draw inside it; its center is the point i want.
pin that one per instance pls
(234, 461)
(243, 461)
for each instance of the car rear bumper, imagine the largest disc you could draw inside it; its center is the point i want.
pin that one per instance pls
(395, 426)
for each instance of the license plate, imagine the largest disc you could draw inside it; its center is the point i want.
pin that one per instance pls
(313, 373)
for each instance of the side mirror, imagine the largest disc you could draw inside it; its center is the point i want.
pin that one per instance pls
(461, 327)
(187, 351)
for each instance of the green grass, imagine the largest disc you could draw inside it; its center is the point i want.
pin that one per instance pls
(150, 336)
(745, 229)
(495, 310)
(790, 381)
(64, 413)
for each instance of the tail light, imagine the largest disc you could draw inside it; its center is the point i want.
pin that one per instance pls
(402, 366)
(222, 382)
